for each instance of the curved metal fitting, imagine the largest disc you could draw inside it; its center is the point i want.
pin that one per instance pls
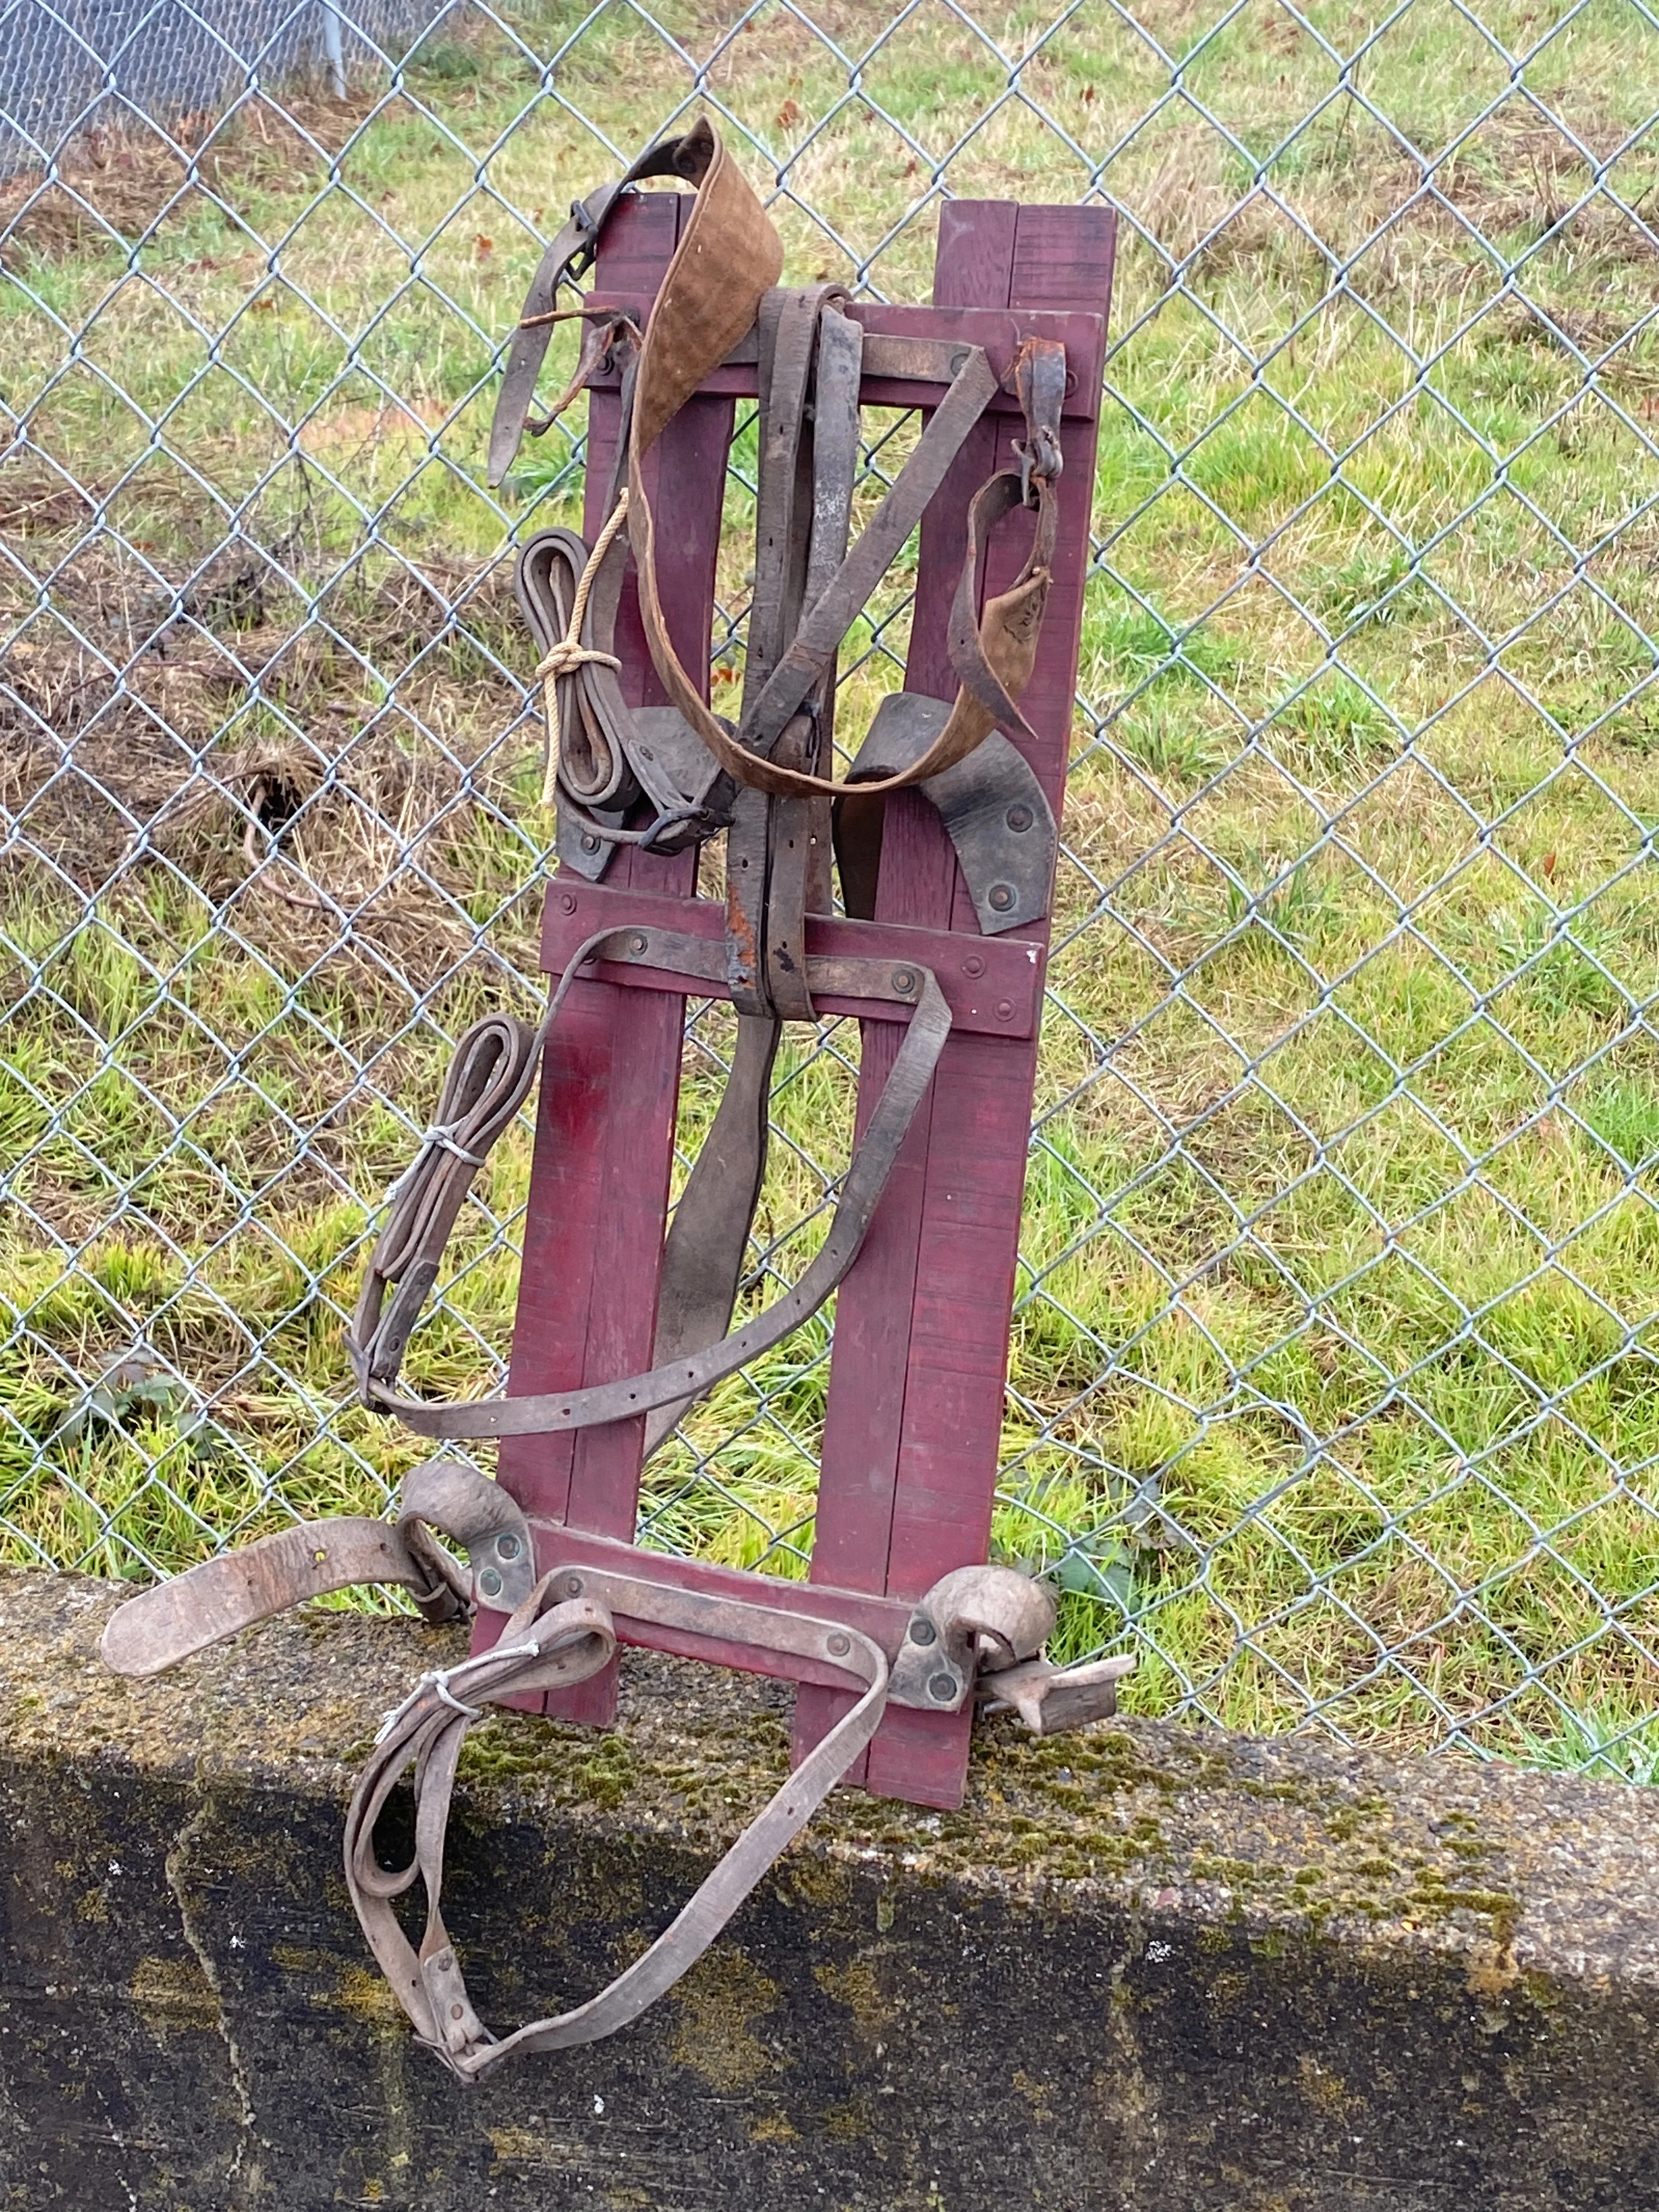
(973, 1620)
(484, 1519)
(994, 811)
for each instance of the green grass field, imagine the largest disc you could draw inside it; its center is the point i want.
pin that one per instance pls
(1333, 1380)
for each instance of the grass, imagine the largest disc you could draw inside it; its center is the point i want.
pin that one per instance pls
(1332, 1379)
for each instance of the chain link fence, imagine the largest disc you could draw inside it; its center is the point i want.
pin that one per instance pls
(1333, 1386)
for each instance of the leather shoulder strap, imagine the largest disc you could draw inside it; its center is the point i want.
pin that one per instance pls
(696, 156)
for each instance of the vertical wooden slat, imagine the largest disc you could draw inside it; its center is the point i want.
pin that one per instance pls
(609, 1083)
(915, 1415)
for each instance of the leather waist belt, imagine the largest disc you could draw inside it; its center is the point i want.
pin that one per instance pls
(669, 778)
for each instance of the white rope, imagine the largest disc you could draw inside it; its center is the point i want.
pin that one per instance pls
(441, 1134)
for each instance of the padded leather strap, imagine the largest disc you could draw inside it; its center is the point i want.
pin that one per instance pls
(572, 254)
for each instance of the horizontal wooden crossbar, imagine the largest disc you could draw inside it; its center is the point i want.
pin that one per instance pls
(992, 985)
(1000, 332)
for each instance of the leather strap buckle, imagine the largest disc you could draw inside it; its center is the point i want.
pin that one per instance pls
(1039, 384)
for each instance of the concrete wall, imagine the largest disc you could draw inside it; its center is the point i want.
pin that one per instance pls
(1144, 1968)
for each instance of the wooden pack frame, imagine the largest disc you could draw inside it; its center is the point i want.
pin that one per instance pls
(920, 1354)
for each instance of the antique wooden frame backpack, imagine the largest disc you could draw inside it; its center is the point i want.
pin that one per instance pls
(945, 839)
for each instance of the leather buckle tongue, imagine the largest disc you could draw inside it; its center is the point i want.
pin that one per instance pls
(459, 2026)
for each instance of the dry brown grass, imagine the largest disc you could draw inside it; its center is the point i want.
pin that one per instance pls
(123, 181)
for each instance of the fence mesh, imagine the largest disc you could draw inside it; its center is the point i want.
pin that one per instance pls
(1332, 1389)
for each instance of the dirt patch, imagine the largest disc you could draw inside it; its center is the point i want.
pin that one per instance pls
(115, 185)
(192, 716)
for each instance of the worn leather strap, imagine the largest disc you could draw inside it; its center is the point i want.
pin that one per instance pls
(488, 1080)
(703, 1253)
(185, 1615)
(691, 156)
(745, 757)
(545, 1645)
(767, 979)
(551, 1641)
(174, 1620)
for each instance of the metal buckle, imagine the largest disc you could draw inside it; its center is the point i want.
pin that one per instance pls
(588, 251)
(1039, 381)
(1040, 462)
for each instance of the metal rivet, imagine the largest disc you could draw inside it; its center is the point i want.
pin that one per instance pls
(1001, 896)
(903, 980)
(942, 1688)
(573, 1584)
(568, 902)
(972, 965)
(638, 941)
(1019, 818)
(840, 1645)
(1004, 1010)
(507, 1546)
(455, 2012)
(922, 1630)
(958, 361)
(490, 1583)
(444, 1962)
(590, 842)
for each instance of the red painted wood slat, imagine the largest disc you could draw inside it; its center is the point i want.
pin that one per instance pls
(611, 1080)
(912, 1433)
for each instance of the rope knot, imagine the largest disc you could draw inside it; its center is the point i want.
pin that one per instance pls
(566, 656)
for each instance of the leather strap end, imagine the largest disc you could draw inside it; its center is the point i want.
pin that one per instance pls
(176, 1619)
(385, 1348)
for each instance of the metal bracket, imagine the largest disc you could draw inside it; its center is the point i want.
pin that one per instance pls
(991, 803)
(674, 768)
(1050, 1698)
(973, 1618)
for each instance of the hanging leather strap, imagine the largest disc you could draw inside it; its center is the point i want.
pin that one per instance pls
(547, 1644)
(488, 1080)
(707, 1239)
(559, 1631)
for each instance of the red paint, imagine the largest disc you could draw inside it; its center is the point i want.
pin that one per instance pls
(915, 1418)
(1000, 996)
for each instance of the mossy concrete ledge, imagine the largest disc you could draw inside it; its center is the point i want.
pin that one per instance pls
(1145, 1967)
